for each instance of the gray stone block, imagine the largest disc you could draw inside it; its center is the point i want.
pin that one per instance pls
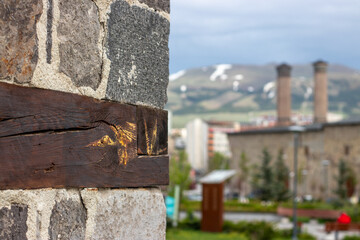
(137, 214)
(79, 32)
(13, 222)
(161, 5)
(137, 46)
(67, 221)
(18, 41)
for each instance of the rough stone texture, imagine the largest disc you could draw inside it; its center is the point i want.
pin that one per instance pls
(67, 221)
(63, 50)
(93, 214)
(125, 214)
(79, 32)
(18, 39)
(162, 5)
(137, 46)
(13, 222)
(49, 25)
(114, 49)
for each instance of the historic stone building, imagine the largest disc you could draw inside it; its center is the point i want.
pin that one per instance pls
(322, 146)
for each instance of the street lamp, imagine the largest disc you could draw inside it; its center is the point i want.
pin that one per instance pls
(296, 130)
(325, 164)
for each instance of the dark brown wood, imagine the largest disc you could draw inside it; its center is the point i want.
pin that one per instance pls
(56, 139)
(152, 131)
(212, 207)
(311, 213)
(335, 226)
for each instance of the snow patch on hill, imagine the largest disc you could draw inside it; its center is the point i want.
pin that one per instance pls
(308, 93)
(177, 75)
(269, 86)
(236, 86)
(251, 89)
(239, 77)
(220, 72)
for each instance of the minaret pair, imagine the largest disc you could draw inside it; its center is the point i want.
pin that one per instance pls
(284, 93)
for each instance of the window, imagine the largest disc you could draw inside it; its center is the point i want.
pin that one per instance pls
(347, 150)
(307, 151)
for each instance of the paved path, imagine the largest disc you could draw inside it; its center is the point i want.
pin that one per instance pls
(243, 216)
(313, 227)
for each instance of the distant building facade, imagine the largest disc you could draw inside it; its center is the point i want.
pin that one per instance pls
(197, 143)
(204, 138)
(322, 146)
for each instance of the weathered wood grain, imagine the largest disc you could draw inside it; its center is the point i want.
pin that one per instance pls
(56, 139)
(152, 131)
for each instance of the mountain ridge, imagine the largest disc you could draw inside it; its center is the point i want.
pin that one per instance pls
(238, 88)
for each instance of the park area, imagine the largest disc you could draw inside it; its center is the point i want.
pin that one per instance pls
(277, 227)
(257, 220)
(266, 213)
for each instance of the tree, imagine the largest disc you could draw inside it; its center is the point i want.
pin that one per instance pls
(341, 180)
(280, 189)
(179, 173)
(245, 169)
(218, 161)
(264, 177)
(351, 181)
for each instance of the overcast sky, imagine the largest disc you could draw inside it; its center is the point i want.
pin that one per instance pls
(208, 32)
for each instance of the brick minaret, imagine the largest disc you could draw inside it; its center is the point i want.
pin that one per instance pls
(283, 95)
(320, 96)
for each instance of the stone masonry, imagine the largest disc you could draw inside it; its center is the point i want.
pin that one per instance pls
(114, 50)
(82, 214)
(106, 49)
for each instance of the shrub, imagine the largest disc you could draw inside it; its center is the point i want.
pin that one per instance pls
(287, 234)
(351, 238)
(301, 219)
(253, 230)
(190, 222)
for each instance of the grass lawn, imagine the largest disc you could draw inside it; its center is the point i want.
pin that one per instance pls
(180, 234)
(177, 234)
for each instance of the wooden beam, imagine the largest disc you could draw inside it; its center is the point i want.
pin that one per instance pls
(152, 131)
(55, 139)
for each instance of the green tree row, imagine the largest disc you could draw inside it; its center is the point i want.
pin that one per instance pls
(270, 182)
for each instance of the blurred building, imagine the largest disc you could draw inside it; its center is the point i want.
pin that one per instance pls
(217, 137)
(204, 138)
(196, 144)
(176, 140)
(322, 145)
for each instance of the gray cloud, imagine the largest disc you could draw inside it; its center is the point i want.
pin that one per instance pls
(206, 32)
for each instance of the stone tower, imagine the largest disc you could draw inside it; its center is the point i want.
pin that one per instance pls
(283, 101)
(320, 95)
(83, 133)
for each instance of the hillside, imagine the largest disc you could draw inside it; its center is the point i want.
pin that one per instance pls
(240, 92)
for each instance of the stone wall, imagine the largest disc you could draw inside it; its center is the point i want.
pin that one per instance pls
(82, 214)
(114, 50)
